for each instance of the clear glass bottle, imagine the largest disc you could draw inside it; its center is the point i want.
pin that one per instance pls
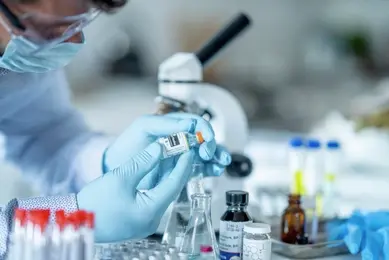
(256, 241)
(199, 231)
(180, 213)
(177, 221)
(293, 221)
(179, 143)
(232, 223)
(195, 184)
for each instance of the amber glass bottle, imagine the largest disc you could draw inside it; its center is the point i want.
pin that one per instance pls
(293, 221)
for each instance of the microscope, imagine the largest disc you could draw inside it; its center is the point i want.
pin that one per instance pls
(181, 89)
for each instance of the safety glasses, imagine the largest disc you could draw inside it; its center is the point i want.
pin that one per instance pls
(44, 30)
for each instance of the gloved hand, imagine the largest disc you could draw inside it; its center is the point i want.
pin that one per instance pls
(121, 211)
(366, 234)
(148, 129)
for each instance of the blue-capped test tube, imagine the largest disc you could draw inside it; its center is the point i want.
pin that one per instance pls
(332, 168)
(296, 164)
(313, 167)
(312, 180)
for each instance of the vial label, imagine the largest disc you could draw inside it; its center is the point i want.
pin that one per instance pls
(256, 249)
(230, 239)
(174, 144)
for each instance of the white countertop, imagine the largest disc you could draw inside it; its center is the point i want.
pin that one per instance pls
(341, 257)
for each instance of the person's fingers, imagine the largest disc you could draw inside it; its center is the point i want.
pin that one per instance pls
(372, 247)
(139, 165)
(159, 125)
(150, 179)
(336, 231)
(212, 170)
(222, 156)
(202, 125)
(207, 150)
(353, 239)
(384, 233)
(168, 189)
(377, 219)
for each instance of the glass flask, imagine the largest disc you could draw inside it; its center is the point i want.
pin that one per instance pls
(195, 184)
(199, 231)
(179, 216)
(178, 220)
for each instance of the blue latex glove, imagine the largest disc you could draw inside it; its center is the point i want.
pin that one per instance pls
(123, 212)
(364, 233)
(148, 129)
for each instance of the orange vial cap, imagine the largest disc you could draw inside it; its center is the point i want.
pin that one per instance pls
(200, 137)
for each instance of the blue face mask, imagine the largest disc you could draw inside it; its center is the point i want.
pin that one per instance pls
(15, 57)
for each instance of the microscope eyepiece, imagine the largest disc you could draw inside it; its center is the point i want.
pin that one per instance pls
(223, 37)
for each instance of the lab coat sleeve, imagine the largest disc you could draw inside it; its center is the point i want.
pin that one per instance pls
(66, 202)
(48, 139)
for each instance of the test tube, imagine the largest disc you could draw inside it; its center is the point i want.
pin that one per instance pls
(17, 244)
(87, 232)
(41, 248)
(312, 177)
(332, 167)
(296, 164)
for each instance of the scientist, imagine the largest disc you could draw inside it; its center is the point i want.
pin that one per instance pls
(50, 142)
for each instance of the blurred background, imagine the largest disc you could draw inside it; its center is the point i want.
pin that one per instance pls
(304, 67)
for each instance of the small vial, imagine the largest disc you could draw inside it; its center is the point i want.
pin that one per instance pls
(293, 221)
(232, 223)
(256, 241)
(179, 143)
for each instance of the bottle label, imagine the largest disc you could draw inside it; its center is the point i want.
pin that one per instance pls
(230, 239)
(256, 249)
(174, 144)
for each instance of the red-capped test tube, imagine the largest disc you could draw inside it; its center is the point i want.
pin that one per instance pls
(70, 237)
(39, 247)
(17, 238)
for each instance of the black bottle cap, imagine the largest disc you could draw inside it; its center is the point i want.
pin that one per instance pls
(237, 197)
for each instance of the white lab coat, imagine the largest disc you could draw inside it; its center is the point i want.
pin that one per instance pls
(44, 134)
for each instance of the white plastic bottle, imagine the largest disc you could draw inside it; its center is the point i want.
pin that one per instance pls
(256, 241)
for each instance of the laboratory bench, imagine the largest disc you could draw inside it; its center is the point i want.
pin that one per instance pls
(341, 257)
(275, 256)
